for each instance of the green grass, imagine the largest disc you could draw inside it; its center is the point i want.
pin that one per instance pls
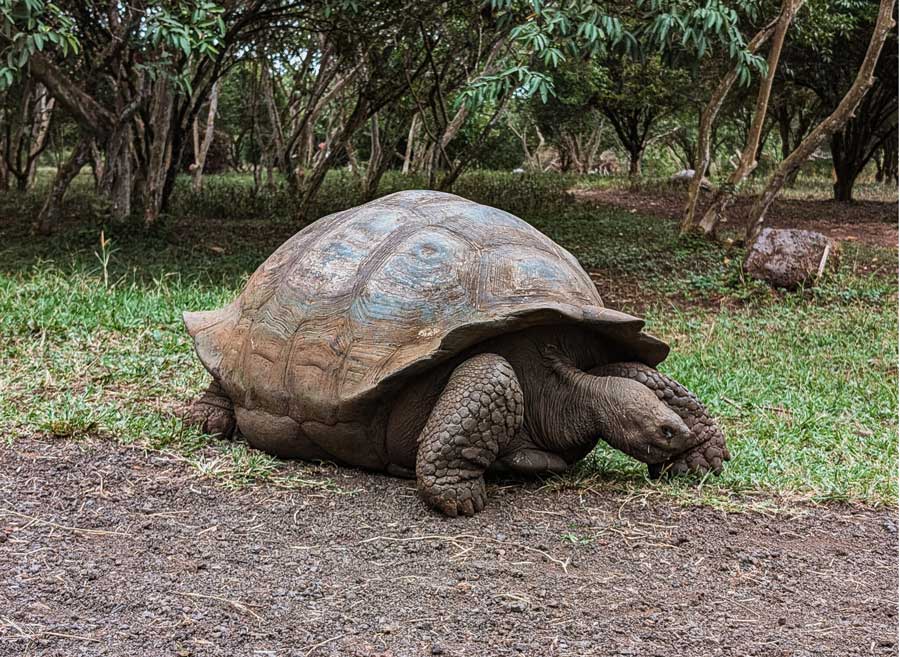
(817, 186)
(804, 384)
(806, 395)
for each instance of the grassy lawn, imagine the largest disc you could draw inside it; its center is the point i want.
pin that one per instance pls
(804, 384)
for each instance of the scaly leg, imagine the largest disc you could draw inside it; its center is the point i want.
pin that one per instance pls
(477, 415)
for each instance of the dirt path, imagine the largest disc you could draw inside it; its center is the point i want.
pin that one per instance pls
(106, 550)
(869, 222)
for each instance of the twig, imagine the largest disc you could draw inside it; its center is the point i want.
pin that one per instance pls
(70, 636)
(824, 259)
(454, 539)
(83, 530)
(322, 643)
(23, 634)
(28, 635)
(234, 603)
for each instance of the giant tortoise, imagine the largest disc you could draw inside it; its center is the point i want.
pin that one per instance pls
(428, 336)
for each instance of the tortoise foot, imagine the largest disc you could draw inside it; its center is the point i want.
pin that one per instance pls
(212, 413)
(708, 457)
(464, 497)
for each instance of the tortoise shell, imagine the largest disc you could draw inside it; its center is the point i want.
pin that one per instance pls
(356, 303)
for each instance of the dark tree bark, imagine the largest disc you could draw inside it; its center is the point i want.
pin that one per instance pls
(889, 160)
(872, 125)
(633, 129)
(50, 212)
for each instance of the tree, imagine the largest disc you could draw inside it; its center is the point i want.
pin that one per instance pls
(570, 119)
(26, 115)
(823, 60)
(725, 194)
(796, 111)
(834, 122)
(707, 123)
(873, 124)
(201, 146)
(639, 95)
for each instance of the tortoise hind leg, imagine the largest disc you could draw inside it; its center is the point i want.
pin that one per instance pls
(212, 412)
(476, 417)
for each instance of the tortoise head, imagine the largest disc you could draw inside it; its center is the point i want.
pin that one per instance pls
(638, 423)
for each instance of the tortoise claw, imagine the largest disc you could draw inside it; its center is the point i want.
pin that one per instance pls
(706, 458)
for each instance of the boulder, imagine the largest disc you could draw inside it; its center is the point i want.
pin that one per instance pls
(789, 258)
(684, 178)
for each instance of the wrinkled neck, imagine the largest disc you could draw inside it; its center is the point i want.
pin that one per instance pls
(575, 411)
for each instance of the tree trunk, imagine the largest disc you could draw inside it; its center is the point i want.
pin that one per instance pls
(889, 160)
(160, 151)
(201, 152)
(43, 109)
(373, 168)
(843, 186)
(4, 171)
(88, 113)
(98, 164)
(50, 212)
(707, 124)
(24, 144)
(410, 140)
(846, 167)
(314, 181)
(725, 194)
(784, 119)
(829, 126)
(117, 183)
(635, 155)
(879, 167)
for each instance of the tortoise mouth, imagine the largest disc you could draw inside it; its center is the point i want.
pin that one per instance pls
(681, 463)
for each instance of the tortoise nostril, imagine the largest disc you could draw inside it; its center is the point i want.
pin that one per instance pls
(672, 432)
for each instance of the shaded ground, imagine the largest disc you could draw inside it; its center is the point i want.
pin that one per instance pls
(110, 550)
(868, 222)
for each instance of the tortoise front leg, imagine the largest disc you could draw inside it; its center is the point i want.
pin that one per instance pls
(708, 452)
(477, 415)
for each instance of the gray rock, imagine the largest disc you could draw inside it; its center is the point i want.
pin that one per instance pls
(685, 176)
(788, 258)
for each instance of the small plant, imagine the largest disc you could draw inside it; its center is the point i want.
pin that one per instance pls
(104, 256)
(575, 539)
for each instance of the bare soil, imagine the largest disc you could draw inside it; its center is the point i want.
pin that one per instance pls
(868, 222)
(110, 550)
